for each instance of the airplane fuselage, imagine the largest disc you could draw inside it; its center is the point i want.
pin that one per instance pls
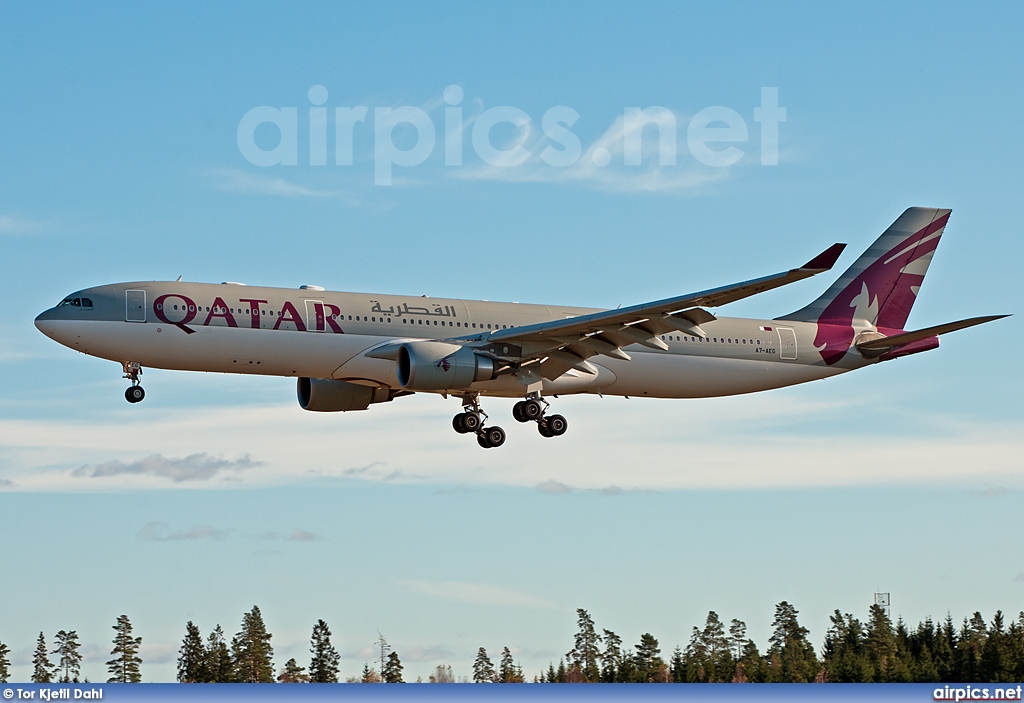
(231, 328)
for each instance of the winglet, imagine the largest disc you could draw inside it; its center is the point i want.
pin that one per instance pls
(826, 259)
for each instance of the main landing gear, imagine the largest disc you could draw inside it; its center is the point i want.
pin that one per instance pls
(534, 409)
(471, 420)
(134, 393)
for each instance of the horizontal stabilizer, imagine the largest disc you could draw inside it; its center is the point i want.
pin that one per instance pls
(884, 344)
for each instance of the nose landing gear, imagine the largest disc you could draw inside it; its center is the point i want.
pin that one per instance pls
(534, 409)
(132, 370)
(471, 420)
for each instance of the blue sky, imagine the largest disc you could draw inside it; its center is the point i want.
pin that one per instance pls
(120, 160)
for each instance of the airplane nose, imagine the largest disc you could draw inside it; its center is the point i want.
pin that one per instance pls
(46, 323)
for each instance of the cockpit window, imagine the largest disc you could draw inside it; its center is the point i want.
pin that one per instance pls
(76, 302)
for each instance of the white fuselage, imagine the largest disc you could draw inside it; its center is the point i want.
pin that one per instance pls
(230, 328)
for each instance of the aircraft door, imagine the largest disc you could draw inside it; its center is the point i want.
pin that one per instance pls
(135, 306)
(316, 320)
(787, 343)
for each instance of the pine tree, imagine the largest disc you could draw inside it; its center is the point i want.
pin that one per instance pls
(42, 669)
(251, 652)
(483, 669)
(69, 662)
(370, 675)
(218, 666)
(997, 664)
(124, 667)
(5, 663)
(751, 666)
(844, 656)
(720, 662)
(293, 673)
(792, 655)
(740, 645)
(883, 649)
(442, 674)
(392, 671)
(611, 657)
(584, 654)
(192, 656)
(649, 664)
(384, 649)
(323, 668)
(696, 659)
(508, 672)
(677, 666)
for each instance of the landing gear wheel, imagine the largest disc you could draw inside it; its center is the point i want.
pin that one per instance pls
(482, 440)
(458, 423)
(557, 425)
(531, 409)
(542, 427)
(495, 436)
(134, 394)
(471, 421)
(517, 412)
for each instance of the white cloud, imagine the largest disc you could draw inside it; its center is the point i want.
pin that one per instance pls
(478, 594)
(298, 535)
(651, 176)
(759, 441)
(158, 652)
(553, 487)
(18, 225)
(161, 532)
(195, 467)
(239, 181)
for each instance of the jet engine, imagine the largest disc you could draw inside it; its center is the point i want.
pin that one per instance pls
(328, 395)
(439, 366)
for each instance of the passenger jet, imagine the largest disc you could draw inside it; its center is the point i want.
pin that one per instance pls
(351, 350)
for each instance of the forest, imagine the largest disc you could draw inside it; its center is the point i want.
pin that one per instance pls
(853, 651)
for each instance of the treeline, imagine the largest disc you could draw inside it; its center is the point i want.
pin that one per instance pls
(123, 668)
(249, 658)
(853, 651)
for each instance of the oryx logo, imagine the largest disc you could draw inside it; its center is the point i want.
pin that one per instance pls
(880, 296)
(444, 364)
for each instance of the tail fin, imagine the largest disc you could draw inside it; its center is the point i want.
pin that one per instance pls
(879, 290)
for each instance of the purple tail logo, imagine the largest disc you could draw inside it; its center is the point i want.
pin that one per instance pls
(881, 295)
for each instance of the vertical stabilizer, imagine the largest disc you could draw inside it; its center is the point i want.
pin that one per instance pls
(878, 291)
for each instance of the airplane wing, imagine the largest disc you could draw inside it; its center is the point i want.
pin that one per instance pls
(876, 347)
(560, 345)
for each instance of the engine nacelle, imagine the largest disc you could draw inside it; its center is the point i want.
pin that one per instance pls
(439, 366)
(328, 395)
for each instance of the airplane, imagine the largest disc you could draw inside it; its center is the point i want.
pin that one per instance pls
(351, 350)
